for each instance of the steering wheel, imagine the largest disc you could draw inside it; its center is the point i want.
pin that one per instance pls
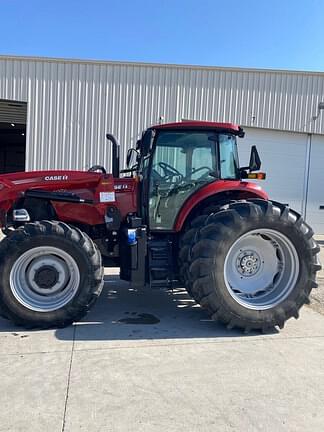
(95, 168)
(194, 171)
(169, 170)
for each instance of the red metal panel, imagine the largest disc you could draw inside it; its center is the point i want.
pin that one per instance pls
(245, 189)
(87, 185)
(233, 128)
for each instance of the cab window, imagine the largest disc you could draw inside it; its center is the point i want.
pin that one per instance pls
(182, 163)
(228, 157)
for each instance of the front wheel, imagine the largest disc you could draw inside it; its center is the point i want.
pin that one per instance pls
(253, 264)
(50, 275)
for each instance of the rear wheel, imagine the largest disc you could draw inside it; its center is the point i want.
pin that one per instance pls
(50, 275)
(261, 268)
(252, 264)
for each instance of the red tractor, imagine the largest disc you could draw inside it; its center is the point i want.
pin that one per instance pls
(182, 213)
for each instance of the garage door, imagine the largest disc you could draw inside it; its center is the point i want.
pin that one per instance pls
(315, 196)
(283, 156)
(13, 117)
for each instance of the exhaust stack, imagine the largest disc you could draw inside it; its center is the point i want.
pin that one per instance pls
(115, 155)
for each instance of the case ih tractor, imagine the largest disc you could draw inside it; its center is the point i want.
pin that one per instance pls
(182, 213)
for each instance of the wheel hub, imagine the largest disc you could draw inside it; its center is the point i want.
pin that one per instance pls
(248, 263)
(46, 277)
(261, 268)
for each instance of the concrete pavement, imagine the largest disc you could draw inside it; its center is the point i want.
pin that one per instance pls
(153, 361)
(317, 295)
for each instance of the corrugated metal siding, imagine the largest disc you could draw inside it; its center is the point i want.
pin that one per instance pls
(71, 104)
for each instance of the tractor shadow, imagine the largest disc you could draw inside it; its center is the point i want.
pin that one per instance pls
(123, 313)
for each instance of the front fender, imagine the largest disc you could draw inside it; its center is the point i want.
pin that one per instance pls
(237, 188)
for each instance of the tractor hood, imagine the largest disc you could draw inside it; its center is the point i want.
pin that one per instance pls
(14, 186)
(50, 179)
(81, 196)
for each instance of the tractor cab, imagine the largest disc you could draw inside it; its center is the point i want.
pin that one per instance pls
(176, 160)
(181, 168)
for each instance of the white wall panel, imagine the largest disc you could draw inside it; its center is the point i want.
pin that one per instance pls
(284, 159)
(315, 196)
(72, 104)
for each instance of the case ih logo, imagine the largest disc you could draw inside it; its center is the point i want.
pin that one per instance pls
(56, 177)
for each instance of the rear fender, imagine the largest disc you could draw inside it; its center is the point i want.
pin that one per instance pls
(214, 193)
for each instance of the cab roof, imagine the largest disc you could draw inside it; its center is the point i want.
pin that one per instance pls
(196, 124)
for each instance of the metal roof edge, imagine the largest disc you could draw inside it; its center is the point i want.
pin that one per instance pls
(157, 65)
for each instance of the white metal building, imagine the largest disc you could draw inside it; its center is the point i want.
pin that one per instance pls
(54, 113)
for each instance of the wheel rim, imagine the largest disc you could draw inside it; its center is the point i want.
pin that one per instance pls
(261, 269)
(44, 279)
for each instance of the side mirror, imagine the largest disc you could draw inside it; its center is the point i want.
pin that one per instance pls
(131, 157)
(255, 161)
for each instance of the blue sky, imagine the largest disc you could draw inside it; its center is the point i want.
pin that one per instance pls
(276, 34)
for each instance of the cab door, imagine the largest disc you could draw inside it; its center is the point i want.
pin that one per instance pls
(183, 161)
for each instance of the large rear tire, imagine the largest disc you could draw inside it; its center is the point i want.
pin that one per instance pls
(50, 275)
(252, 264)
(186, 242)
